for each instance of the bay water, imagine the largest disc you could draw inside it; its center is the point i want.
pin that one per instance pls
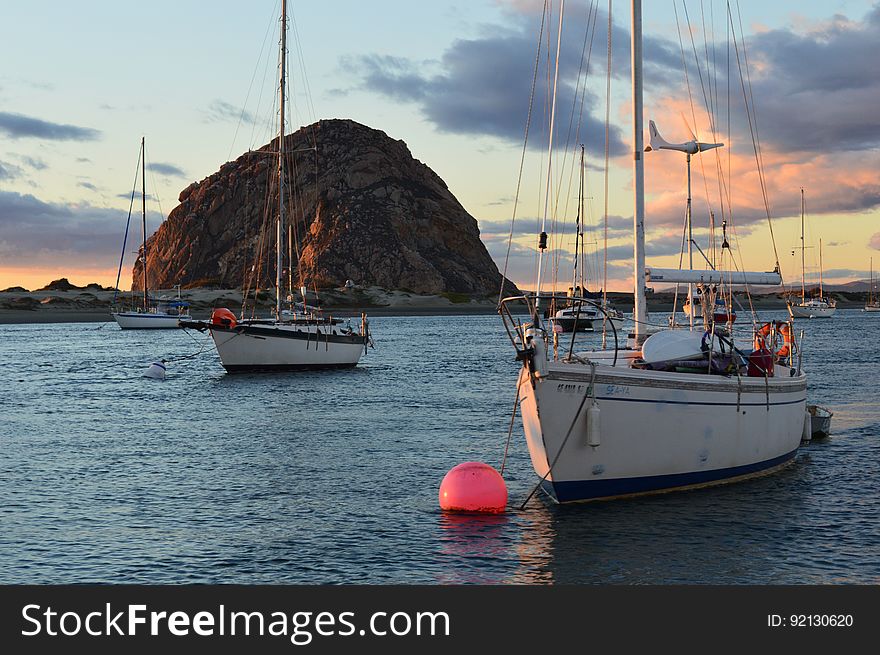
(332, 477)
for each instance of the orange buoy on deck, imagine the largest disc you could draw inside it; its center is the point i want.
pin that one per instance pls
(473, 487)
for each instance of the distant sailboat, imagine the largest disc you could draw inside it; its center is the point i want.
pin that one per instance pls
(296, 338)
(873, 304)
(151, 313)
(816, 307)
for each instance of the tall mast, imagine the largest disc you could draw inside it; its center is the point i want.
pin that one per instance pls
(803, 256)
(639, 306)
(579, 235)
(144, 216)
(690, 244)
(280, 227)
(871, 288)
(821, 292)
(542, 240)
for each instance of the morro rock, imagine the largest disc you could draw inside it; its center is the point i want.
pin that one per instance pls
(365, 211)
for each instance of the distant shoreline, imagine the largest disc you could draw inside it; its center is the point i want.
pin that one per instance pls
(93, 305)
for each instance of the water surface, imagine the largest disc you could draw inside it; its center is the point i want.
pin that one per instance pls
(332, 477)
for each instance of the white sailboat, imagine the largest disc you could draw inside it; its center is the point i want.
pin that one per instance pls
(151, 313)
(296, 338)
(816, 307)
(680, 409)
(873, 304)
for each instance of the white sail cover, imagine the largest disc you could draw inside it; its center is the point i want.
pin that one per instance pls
(688, 276)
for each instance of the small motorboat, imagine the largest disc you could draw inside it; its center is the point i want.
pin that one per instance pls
(820, 421)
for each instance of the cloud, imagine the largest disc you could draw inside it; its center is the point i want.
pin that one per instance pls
(18, 126)
(166, 169)
(34, 231)
(137, 196)
(874, 241)
(9, 171)
(87, 185)
(222, 111)
(36, 164)
(481, 86)
(829, 73)
(35, 234)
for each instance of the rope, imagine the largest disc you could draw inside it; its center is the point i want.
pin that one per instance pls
(523, 157)
(590, 390)
(510, 428)
(195, 354)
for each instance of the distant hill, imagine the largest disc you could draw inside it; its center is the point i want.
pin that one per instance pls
(376, 216)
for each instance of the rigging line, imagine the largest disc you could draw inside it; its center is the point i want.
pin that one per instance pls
(155, 191)
(302, 65)
(544, 122)
(127, 223)
(590, 390)
(753, 127)
(250, 86)
(577, 99)
(523, 156)
(550, 146)
(706, 98)
(266, 67)
(510, 427)
(690, 94)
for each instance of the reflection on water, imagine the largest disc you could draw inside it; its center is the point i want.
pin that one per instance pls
(332, 477)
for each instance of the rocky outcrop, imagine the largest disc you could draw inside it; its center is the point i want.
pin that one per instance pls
(365, 210)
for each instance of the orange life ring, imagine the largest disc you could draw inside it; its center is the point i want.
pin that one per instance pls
(784, 329)
(762, 337)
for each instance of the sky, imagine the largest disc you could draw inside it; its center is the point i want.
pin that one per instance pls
(83, 82)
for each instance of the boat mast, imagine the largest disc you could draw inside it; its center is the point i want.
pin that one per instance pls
(821, 291)
(639, 304)
(871, 288)
(579, 234)
(542, 238)
(280, 226)
(690, 245)
(803, 256)
(144, 216)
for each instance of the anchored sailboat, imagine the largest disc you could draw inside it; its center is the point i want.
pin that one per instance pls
(151, 313)
(816, 307)
(677, 408)
(292, 339)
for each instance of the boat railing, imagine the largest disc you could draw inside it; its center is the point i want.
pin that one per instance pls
(516, 329)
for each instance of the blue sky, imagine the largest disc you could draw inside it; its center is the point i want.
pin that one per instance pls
(83, 81)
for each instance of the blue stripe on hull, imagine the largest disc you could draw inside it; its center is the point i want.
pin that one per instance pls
(580, 490)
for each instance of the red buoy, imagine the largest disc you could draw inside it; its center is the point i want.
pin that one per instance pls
(222, 317)
(473, 487)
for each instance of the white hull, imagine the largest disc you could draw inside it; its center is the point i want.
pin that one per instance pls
(285, 347)
(806, 311)
(872, 308)
(659, 431)
(147, 321)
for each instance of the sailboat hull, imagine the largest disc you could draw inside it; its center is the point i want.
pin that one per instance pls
(147, 320)
(658, 431)
(286, 348)
(805, 311)
(872, 308)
